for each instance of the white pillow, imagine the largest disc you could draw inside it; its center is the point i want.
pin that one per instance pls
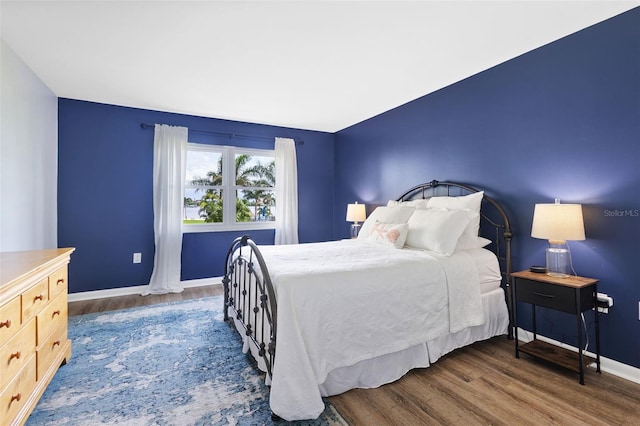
(469, 237)
(389, 234)
(420, 203)
(468, 244)
(469, 203)
(436, 229)
(385, 215)
(464, 202)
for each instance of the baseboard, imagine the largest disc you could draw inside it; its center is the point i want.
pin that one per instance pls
(127, 291)
(611, 366)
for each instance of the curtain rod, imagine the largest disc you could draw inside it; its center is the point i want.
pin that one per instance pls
(230, 135)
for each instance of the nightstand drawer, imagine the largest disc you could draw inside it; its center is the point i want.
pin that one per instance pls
(553, 296)
(546, 295)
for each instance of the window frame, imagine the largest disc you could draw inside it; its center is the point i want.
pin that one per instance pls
(229, 190)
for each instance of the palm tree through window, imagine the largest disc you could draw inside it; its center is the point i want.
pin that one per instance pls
(217, 175)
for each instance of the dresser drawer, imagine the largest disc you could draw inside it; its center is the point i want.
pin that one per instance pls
(15, 353)
(51, 349)
(51, 317)
(34, 299)
(58, 283)
(553, 296)
(17, 393)
(9, 319)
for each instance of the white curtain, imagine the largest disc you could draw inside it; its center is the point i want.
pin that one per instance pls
(286, 192)
(169, 159)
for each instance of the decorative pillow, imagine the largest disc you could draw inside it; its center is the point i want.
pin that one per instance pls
(389, 234)
(469, 203)
(399, 214)
(420, 203)
(436, 229)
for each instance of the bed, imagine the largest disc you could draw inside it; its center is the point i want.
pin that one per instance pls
(428, 273)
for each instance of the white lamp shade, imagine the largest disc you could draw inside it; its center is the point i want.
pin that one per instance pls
(356, 213)
(558, 222)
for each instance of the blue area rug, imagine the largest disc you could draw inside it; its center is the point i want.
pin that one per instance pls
(169, 364)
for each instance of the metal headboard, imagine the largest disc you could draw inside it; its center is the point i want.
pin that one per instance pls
(494, 225)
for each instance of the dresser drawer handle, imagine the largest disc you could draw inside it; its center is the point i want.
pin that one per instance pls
(548, 296)
(15, 398)
(56, 343)
(38, 297)
(55, 313)
(6, 323)
(15, 355)
(60, 281)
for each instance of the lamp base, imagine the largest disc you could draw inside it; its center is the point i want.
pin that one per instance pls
(355, 229)
(557, 275)
(558, 262)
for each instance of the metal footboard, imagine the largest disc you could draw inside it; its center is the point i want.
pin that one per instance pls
(249, 297)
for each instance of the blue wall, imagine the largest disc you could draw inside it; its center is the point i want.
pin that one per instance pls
(105, 192)
(562, 121)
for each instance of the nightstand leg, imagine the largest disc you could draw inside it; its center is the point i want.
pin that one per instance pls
(580, 356)
(595, 304)
(514, 319)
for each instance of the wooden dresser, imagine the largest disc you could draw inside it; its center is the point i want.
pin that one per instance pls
(33, 327)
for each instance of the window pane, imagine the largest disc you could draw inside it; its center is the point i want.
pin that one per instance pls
(202, 205)
(203, 168)
(191, 206)
(256, 206)
(255, 170)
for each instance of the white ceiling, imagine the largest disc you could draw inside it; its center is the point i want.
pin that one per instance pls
(318, 65)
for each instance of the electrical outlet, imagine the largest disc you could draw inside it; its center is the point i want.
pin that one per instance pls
(137, 257)
(604, 303)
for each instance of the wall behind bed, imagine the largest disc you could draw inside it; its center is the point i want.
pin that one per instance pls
(562, 121)
(105, 192)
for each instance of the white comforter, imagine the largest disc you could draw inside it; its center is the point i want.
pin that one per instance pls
(346, 301)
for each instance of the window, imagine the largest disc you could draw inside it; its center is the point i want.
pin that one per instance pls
(229, 188)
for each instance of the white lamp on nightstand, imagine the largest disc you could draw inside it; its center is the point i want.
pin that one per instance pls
(356, 213)
(558, 223)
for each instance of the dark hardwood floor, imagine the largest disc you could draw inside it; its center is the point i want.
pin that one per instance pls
(482, 384)
(134, 300)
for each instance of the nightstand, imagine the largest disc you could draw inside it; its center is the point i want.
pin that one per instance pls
(572, 295)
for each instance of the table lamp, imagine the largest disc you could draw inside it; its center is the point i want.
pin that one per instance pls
(558, 223)
(356, 213)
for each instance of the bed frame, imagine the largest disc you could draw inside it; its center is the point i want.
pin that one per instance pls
(250, 297)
